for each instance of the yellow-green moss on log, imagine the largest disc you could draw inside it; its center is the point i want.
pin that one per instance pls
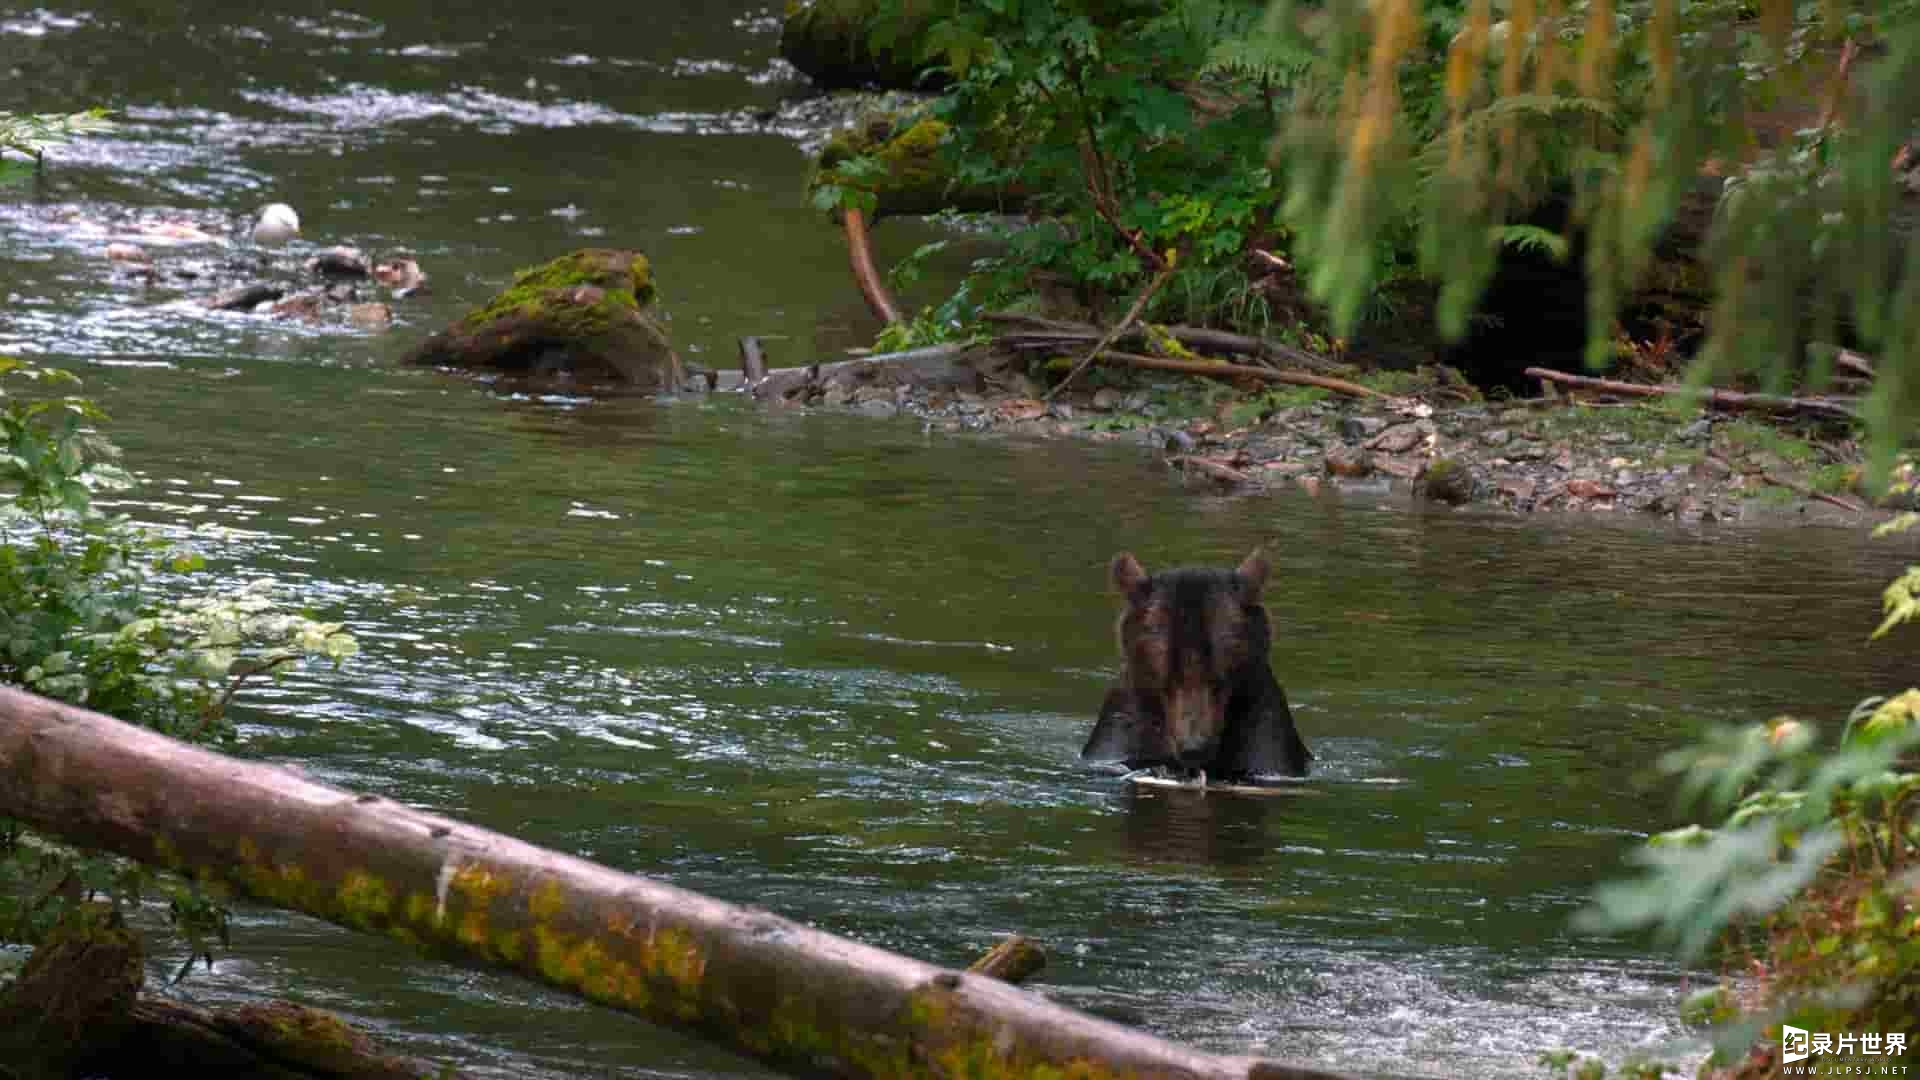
(788, 994)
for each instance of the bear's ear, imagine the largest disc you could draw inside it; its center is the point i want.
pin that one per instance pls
(1127, 574)
(1253, 574)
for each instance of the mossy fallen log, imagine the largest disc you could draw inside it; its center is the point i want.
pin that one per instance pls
(797, 998)
(581, 318)
(914, 177)
(76, 1010)
(268, 1040)
(73, 994)
(849, 44)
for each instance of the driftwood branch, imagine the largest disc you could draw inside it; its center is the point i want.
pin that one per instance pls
(1720, 399)
(753, 361)
(797, 998)
(1791, 484)
(1217, 470)
(932, 361)
(860, 254)
(1241, 371)
(1852, 362)
(1030, 329)
(1119, 328)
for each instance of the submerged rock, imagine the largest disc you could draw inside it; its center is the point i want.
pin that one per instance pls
(340, 262)
(580, 318)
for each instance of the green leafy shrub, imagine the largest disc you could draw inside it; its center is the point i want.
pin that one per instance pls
(30, 134)
(1136, 135)
(95, 611)
(1809, 886)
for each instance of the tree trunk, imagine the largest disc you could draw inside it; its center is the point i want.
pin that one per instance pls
(800, 999)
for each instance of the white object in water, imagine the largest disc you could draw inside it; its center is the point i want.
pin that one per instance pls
(1202, 786)
(278, 224)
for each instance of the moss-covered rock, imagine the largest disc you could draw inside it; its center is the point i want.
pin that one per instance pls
(833, 42)
(912, 178)
(1448, 480)
(580, 318)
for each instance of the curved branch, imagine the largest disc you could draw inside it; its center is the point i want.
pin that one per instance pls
(860, 254)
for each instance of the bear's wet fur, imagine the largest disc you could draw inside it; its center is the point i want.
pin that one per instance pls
(1197, 694)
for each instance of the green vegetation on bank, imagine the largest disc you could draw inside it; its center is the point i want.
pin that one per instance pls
(1294, 170)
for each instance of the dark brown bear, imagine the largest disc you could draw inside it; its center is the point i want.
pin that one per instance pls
(1197, 693)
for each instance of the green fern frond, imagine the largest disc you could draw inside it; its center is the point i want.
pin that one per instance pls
(1532, 240)
(1260, 56)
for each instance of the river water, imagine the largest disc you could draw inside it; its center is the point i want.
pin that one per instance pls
(835, 666)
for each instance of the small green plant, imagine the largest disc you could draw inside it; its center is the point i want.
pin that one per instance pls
(1257, 408)
(30, 134)
(1757, 436)
(1118, 422)
(96, 612)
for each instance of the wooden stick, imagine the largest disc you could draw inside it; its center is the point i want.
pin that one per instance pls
(860, 254)
(1226, 474)
(753, 361)
(928, 358)
(1139, 305)
(1806, 492)
(1196, 337)
(1837, 87)
(1849, 360)
(1724, 399)
(1790, 484)
(1242, 371)
(797, 998)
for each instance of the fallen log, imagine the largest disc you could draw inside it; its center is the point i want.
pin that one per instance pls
(1720, 399)
(932, 362)
(1240, 371)
(270, 1040)
(1217, 470)
(1791, 484)
(72, 995)
(860, 254)
(797, 998)
(1043, 333)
